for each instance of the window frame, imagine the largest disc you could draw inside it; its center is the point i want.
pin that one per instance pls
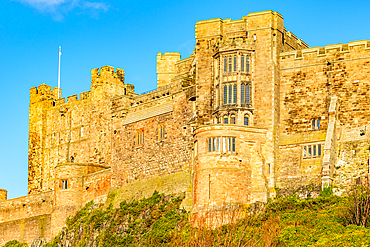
(246, 117)
(139, 137)
(245, 93)
(230, 64)
(64, 184)
(235, 63)
(161, 131)
(221, 144)
(312, 151)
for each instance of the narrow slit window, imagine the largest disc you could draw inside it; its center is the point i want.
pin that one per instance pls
(319, 150)
(242, 63)
(314, 150)
(309, 151)
(224, 144)
(304, 152)
(209, 144)
(214, 144)
(218, 144)
(161, 130)
(318, 124)
(313, 124)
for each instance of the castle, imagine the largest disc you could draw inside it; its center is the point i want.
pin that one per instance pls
(251, 113)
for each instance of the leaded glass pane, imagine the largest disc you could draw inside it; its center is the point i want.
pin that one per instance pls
(247, 94)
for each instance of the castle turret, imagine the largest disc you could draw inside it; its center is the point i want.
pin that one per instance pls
(68, 189)
(229, 168)
(42, 98)
(166, 69)
(105, 85)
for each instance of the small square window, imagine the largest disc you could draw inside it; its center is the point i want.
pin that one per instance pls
(64, 184)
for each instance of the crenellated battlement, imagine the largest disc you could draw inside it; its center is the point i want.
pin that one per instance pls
(108, 72)
(72, 98)
(293, 42)
(328, 50)
(44, 92)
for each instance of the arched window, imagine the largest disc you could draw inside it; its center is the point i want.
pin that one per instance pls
(246, 120)
(232, 119)
(226, 120)
(242, 63)
(225, 64)
(234, 64)
(230, 63)
(247, 64)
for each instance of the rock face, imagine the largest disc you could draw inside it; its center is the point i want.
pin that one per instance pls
(251, 113)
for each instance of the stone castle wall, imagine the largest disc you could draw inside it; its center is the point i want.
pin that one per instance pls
(309, 80)
(113, 144)
(26, 218)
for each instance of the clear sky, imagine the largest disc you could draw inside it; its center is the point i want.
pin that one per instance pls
(127, 35)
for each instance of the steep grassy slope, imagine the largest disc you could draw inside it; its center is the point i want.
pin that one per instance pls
(158, 221)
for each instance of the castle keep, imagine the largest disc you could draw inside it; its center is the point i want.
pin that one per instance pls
(251, 113)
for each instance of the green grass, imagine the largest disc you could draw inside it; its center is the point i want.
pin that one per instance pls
(158, 221)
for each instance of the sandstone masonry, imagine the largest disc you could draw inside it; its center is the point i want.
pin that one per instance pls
(251, 113)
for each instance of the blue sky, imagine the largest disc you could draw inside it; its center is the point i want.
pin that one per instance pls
(127, 35)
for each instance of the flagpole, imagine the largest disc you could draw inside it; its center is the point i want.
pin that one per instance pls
(60, 54)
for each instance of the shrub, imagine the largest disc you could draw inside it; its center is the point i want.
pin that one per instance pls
(15, 243)
(357, 210)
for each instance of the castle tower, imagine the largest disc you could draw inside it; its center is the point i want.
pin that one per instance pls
(237, 76)
(166, 69)
(105, 85)
(68, 193)
(42, 98)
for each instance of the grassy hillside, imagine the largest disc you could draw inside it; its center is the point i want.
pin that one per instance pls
(158, 221)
